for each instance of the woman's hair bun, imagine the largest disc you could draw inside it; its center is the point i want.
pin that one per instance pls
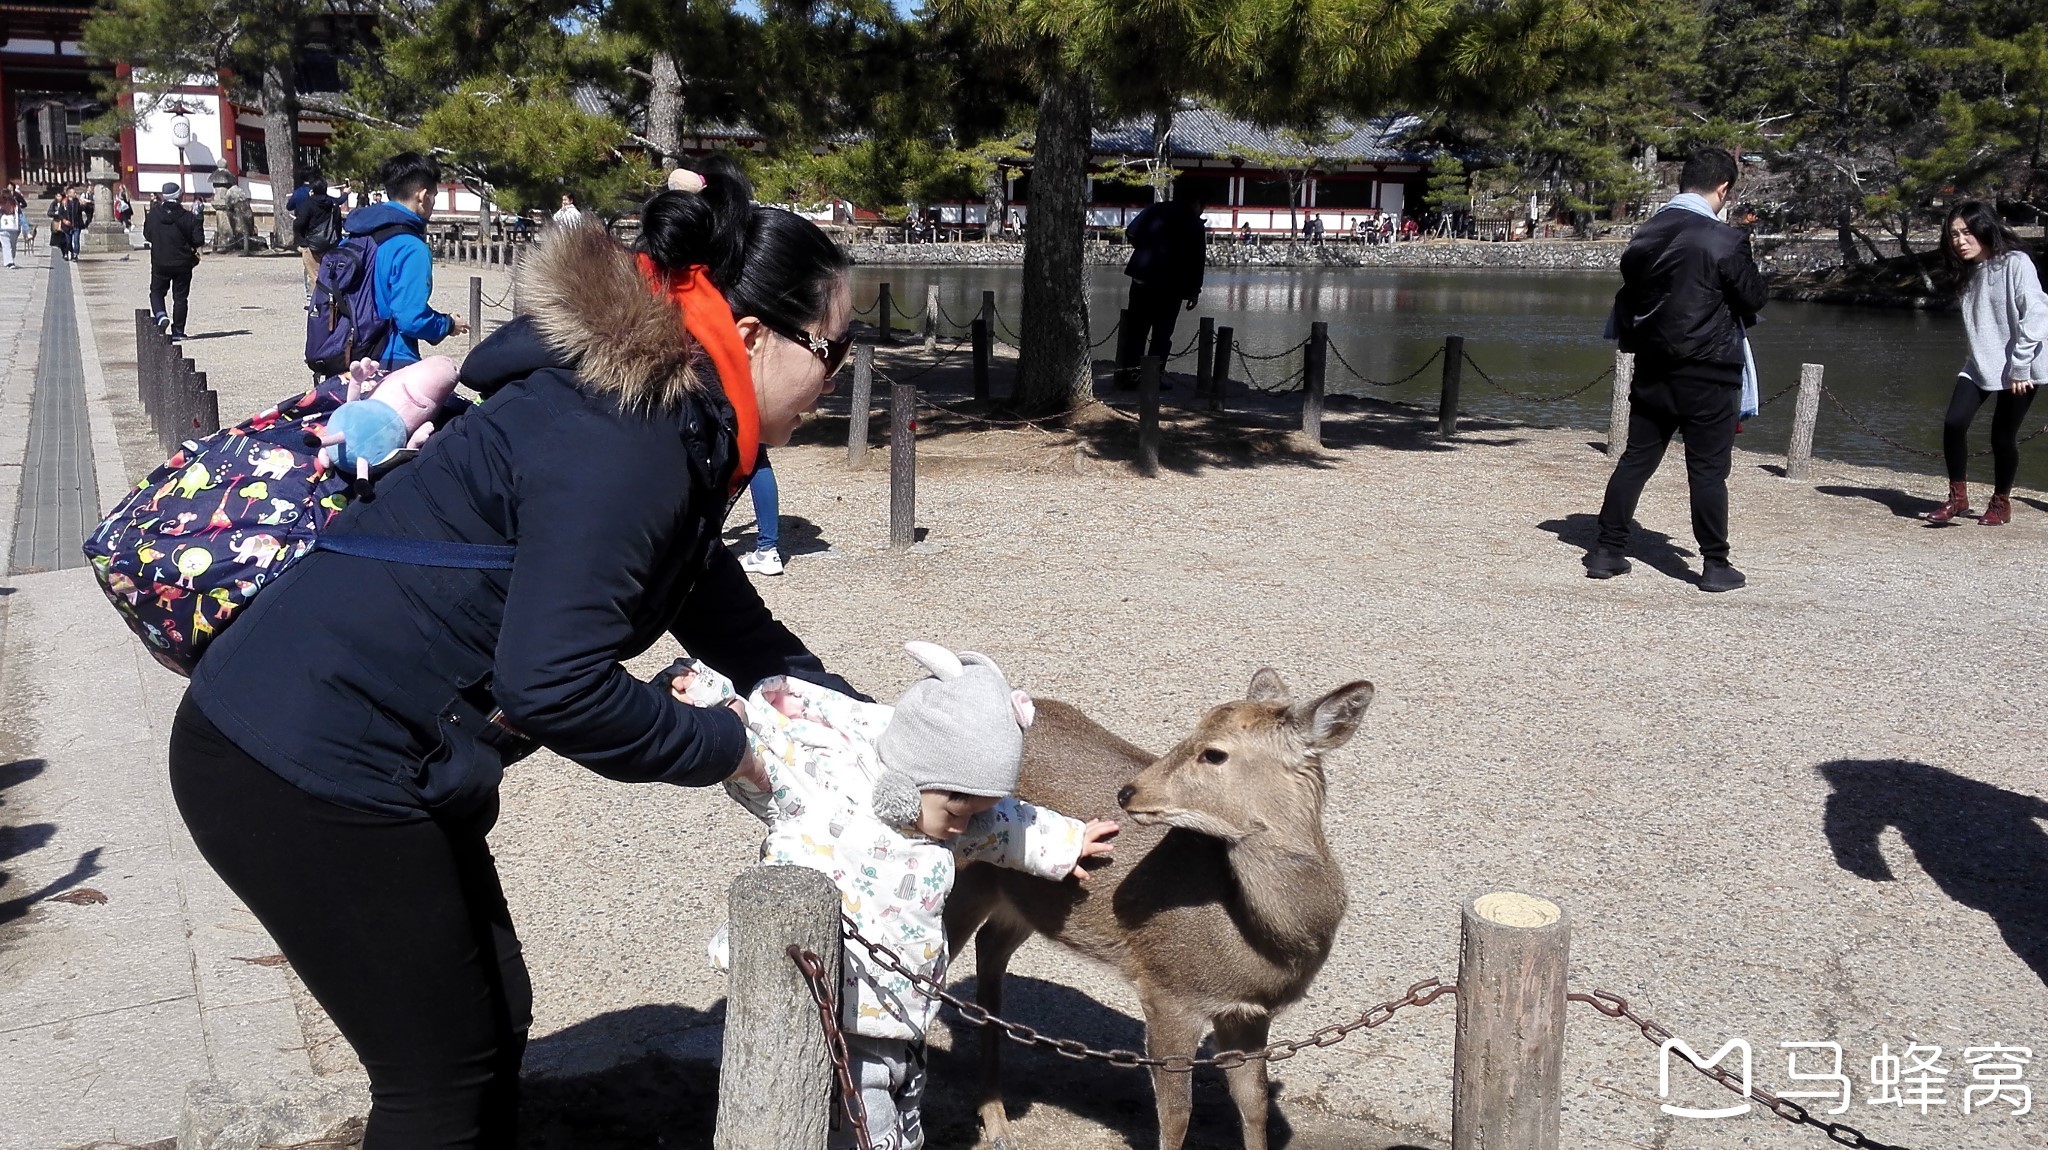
(769, 263)
(679, 229)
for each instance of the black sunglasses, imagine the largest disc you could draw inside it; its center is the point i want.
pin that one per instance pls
(830, 352)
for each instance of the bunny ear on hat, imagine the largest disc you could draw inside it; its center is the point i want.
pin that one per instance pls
(943, 664)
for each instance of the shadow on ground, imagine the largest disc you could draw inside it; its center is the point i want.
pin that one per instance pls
(1980, 844)
(661, 1100)
(800, 536)
(1899, 503)
(1653, 549)
(20, 839)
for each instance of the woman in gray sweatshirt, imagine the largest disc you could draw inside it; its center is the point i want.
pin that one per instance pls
(2005, 322)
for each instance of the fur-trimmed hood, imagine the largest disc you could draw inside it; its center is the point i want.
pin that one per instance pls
(588, 302)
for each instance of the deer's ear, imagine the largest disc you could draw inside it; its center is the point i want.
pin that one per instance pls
(1268, 687)
(1329, 722)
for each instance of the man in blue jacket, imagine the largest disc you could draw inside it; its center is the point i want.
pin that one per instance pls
(404, 269)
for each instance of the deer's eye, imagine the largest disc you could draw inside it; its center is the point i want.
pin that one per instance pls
(1215, 756)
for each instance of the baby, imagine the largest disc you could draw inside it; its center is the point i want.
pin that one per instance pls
(887, 802)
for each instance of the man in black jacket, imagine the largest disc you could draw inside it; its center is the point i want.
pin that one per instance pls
(1689, 288)
(174, 236)
(317, 220)
(1168, 251)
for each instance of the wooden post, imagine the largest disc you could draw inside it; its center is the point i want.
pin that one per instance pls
(988, 308)
(931, 318)
(902, 465)
(772, 1033)
(1314, 360)
(209, 408)
(1618, 412)
(857, 406)
(885, 316)
(1508, 1063)
(1205, 354)
(1454, 373)
(982, 350)
(1149, 370)
(1799, 456)
(1219, 382)
(518, 254)
(476, 309)
(144, 365)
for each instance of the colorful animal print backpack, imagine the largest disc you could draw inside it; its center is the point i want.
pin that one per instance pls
(225, 515)
(195, 540)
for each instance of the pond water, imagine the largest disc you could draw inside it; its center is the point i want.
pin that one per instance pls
(1534, 332)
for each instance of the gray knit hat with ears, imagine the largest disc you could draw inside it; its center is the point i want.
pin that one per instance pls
(960, 730)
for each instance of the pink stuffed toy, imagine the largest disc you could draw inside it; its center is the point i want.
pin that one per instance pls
(386, 417)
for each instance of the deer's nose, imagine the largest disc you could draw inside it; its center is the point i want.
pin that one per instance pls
(1123, 797)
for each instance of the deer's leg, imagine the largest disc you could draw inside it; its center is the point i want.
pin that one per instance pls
(997, 940)
(1171, 1027)
(1247, 1082)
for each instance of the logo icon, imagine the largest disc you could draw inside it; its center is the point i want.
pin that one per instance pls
(1692, 1056)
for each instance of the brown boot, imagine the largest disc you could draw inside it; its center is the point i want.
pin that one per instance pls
(1999, 513)
(1958, 503)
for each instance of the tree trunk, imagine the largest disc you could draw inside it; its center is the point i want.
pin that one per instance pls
(1162, 154)
(665, 109)
(993, 204)
(1055, 373)
(281, 150)
(1845, 236)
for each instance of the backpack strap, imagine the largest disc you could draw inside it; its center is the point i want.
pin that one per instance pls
(420, 552)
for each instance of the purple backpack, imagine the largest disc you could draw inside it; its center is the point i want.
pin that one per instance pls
(226, 515)
(343, 324)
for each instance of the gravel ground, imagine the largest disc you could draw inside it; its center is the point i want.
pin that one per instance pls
(1806, 811)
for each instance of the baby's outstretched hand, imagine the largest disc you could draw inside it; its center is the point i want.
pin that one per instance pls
(1094, 844)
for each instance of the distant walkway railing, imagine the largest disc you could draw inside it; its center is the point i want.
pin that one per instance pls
(172, 388)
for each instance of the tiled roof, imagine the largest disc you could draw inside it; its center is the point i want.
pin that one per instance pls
(1206, 133)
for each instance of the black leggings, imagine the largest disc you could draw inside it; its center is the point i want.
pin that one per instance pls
(398, 927)
(2006, 417)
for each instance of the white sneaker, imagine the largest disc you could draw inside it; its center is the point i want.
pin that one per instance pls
(761, 562)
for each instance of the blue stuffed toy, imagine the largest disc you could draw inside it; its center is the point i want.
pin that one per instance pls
(386, 417)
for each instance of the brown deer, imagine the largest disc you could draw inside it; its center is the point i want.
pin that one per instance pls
(1222, 901)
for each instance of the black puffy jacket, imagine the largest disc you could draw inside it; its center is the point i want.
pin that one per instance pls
(1686, 281)
(602, 452)
(1168, 249)
(174, 236)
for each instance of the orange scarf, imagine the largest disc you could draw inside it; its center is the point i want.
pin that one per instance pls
(708, 319)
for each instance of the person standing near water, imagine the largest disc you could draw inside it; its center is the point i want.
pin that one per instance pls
(2005, 322)
(1169, 249)
(1689, 288)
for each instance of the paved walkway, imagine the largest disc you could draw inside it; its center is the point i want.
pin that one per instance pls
(58, 496)
(124, 972)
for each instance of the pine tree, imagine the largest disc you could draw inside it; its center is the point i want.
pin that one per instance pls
(252, 47)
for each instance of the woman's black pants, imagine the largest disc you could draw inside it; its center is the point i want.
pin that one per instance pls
(2006, 417)
(398, 927)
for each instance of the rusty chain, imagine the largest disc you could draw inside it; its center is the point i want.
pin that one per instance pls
(813, 969)
(1532, 397)
(1887, 440)
(1782, 393)
(1370, 382)
(1421, 994)
(1615, 1006)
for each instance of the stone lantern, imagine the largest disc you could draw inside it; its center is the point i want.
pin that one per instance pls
(103, 172)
